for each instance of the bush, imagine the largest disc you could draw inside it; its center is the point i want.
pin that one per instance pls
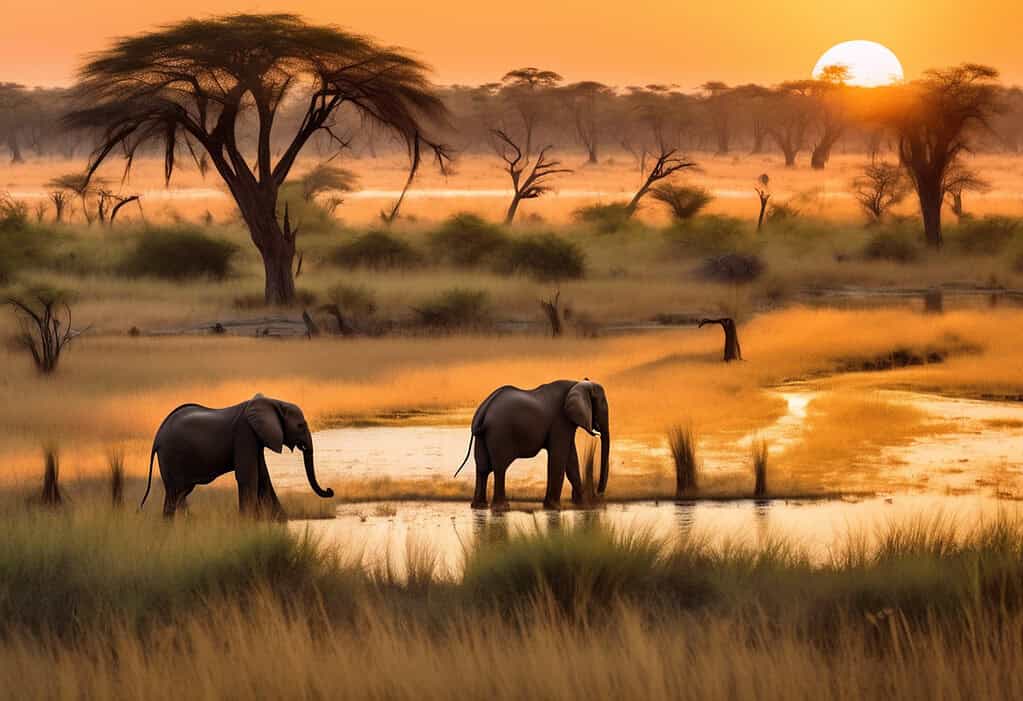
(467, 241)
(781, 213)
(377, 250)
(544, 257)
(708, 235)
(733, 267)
(988, 236)
(353, 300)
(606, 218)
(21, 244)
(456, 309)
(179, 253)
(683, 202)
(899, 244)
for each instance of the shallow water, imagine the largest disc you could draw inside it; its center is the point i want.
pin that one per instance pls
(382, 534)
(973, 470)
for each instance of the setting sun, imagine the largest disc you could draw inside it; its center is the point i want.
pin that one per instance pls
(870, 64)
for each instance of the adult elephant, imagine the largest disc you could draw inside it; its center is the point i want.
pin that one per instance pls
(197, 444)
(516, 423)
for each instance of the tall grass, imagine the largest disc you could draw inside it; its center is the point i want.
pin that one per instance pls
(115, 459)
(106, 604)
(682, 444)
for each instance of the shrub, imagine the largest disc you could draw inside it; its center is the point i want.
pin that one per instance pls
(20, 243)
(377, 250)
(683, 202)
(733, 267)
(13, 213)
(897, 243)
(179, 253)
(467, 240)
(356, 300)
(989, 235)
(456, 309)
(606, 218)
(781, 213)
(544, 257)
(707, 235)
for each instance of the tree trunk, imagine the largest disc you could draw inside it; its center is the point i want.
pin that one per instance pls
(930, 209)
(512, 208)
(790, 158)
(280, 282)
(592, 151)
(732, 349)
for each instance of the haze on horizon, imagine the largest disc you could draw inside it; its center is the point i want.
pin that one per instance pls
(738, 41)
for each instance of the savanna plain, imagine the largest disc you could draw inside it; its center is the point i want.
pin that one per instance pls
(834, 514)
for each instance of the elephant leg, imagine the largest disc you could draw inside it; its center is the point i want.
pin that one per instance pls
(269, 504)
(572, 470)
(174, 499)
(557, 457)
(500, 501)
(479, 497)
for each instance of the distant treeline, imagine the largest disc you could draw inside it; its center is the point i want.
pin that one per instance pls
(798, 119)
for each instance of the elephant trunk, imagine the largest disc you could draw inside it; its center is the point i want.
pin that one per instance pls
(605, 453)
(310, 472)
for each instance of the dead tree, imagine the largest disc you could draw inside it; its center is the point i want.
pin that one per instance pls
(534, 184)
(732, 349)
(667, 165)
(553, 311)
(765, 196)
(42, 333)
(415, 158)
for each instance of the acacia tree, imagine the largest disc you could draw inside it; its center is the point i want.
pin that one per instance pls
(588, 103)
(13, 101)
(186, 85)
(525, 89)
(934, 122)
(720, 103)
(829, 93)
(880, 187)
(790, 114)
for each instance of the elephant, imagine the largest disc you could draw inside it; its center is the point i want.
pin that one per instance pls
(516, 423)
(196, 444)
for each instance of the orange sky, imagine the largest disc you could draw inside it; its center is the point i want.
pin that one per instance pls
(41, 41)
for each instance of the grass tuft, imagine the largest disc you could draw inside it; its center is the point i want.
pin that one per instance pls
(682, 443)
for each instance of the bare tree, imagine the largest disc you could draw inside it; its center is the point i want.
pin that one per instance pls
(534, 184)
(186, 86)
(42, 332)
(667, 165)
(880, 187)
(934, 120)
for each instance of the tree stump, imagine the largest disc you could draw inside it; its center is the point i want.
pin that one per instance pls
(732, 349)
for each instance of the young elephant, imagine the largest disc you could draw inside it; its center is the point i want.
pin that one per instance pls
(196, 445)
(515, 423)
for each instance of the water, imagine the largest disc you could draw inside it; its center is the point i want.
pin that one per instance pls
(972, 468)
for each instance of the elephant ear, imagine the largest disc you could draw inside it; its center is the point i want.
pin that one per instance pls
(579, 406)
(265, 420)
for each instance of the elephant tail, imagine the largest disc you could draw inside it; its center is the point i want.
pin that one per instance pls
(477, 423)
(149, 482)
(468, 452)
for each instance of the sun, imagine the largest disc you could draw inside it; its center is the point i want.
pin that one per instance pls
(870, 64)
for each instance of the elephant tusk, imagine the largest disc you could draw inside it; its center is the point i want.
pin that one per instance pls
(595, 433)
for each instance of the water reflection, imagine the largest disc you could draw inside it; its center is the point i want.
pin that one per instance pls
(380, 534)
